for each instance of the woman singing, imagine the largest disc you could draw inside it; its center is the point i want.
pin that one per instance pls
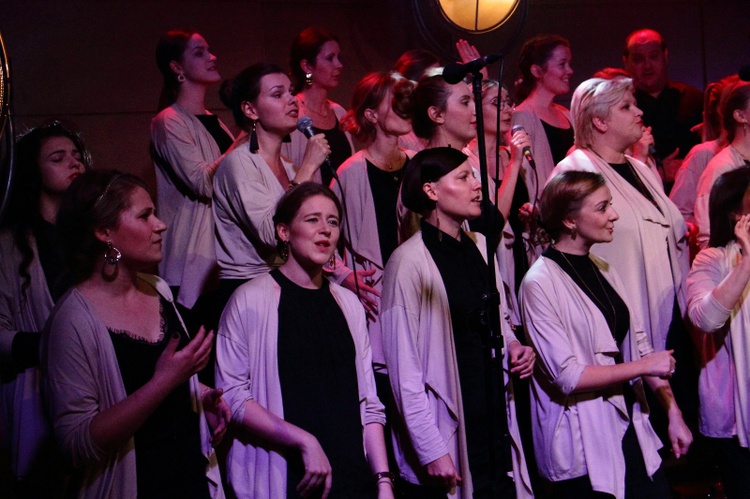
(435, 320)
(294, 360)
(316, 69)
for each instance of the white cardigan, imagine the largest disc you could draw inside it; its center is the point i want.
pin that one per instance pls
(724, 382)
(187, 158)
(247, 369)
(581, 433)
(421, 359)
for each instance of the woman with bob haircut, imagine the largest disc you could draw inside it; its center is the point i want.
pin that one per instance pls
(316, 70)
(187, 145)
(650, 250)
(251, 179)
(434, 320)
(718, 305)
(33, 278)
(736, 119)
(294, 360)
(119, 366)
(593, 433)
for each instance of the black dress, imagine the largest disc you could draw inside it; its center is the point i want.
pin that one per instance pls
(169, 461)
(319, 387)
(340, 150)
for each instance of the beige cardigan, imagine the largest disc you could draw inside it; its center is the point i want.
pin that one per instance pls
(82, 378)
(421, 359)
(578, 434)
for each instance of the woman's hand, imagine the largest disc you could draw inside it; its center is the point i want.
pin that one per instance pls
(640, 148)
(527, 213)
(659, 364)
(742, 233)
(317, 468)
(444, 472)
(522, 359)
(218, 414)
(468, 52)
(316, 152)
(679, 434)
(518, 141)
(367, 292)
(174, 367)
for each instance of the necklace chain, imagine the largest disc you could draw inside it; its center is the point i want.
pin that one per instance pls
(593, 295)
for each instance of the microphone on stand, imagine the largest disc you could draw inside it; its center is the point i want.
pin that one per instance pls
(527, 149)
(455, 72)
(304, 125)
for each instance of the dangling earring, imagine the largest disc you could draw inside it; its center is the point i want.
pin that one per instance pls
(744, 129)
(308, 79)
(112, 255)
(573, 233)
(332, 263)
(181, 78)
(283, 250)
(254, 140)
(437, 225)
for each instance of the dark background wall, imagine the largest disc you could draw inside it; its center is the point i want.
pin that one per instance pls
(92, 62)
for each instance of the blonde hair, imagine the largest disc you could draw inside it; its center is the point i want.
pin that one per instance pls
(594, 98)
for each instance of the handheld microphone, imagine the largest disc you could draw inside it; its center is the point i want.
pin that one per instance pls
(304, 125)
(455, 72)
(527, 149)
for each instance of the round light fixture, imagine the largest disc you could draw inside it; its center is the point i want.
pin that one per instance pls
(477, 16)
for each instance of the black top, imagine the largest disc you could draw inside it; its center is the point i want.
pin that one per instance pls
(590, 280)
(464, 274)
(626, 171)
(212, 124)
(340, 150)
(169, 461)
(51, 258)
(319, 387)
(385, 187)
(520, 257)
(671, 115)
(560, 141)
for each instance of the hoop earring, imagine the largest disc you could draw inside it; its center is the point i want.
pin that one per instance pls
(181, 78)
(332, 263)
(283, 250)
(254, 140)
(308, 79)
(111, 255)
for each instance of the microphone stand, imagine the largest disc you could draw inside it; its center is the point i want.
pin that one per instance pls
(492, 343)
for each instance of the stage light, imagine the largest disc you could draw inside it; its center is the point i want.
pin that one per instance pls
(477, 16)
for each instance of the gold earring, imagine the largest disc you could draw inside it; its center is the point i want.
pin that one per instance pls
(308, 79)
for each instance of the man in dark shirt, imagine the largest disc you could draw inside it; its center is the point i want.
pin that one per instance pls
(670, 108)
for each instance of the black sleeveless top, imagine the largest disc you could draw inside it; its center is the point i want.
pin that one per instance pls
(169, 460)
